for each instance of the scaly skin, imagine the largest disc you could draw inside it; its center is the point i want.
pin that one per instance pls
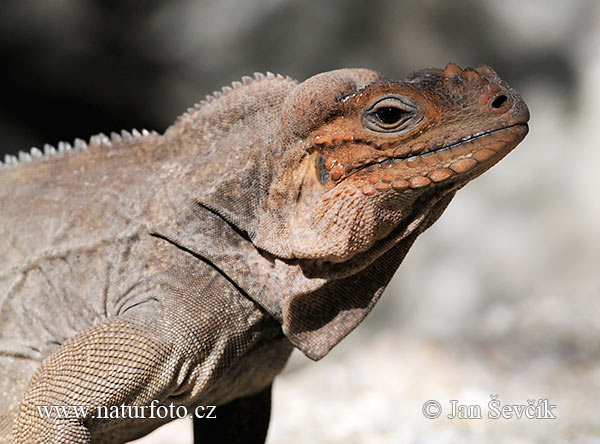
(183, 267)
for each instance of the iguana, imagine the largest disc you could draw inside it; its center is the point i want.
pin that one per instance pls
(181, 269)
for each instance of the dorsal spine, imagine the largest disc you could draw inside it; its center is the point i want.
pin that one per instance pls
(64, 148)
(235, 85)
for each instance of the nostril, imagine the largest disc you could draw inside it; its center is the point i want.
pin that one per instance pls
(499, 101)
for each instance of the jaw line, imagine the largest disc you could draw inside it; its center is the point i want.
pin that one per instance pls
(434, 150)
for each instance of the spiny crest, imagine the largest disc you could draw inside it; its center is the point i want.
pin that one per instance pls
(246, 80)
(63, 148)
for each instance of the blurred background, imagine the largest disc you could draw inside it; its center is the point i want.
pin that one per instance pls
(500, 297)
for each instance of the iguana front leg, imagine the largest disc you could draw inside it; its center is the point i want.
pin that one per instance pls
(197, 341)
(126, 360)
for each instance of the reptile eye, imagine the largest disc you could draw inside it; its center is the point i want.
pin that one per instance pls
(389, 115)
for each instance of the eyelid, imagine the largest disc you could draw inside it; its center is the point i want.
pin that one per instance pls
(391, 101)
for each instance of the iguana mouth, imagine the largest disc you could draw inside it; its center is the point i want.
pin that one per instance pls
(438, 164)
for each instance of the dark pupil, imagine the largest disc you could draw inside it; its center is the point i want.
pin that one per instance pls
(390, 114)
